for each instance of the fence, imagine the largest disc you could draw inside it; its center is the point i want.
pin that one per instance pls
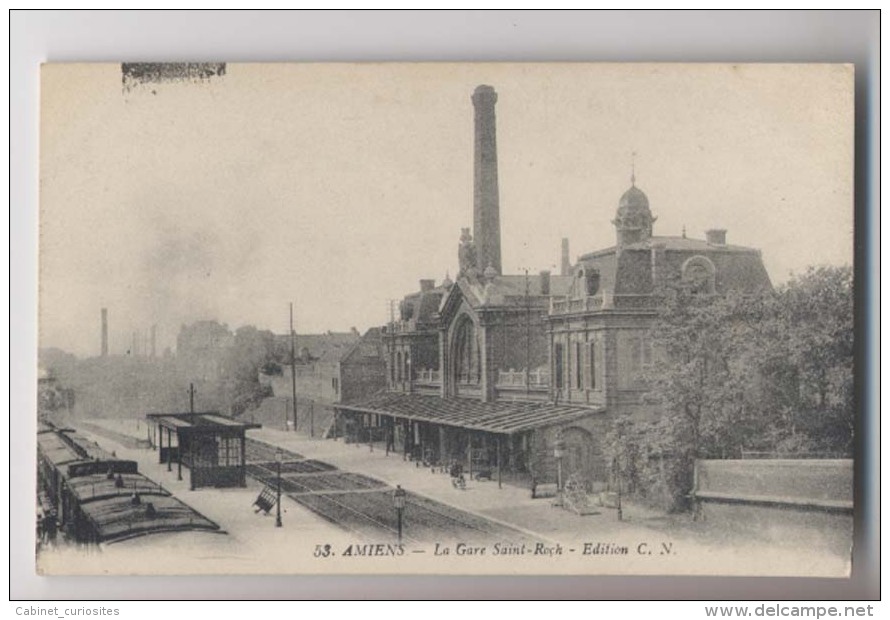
(517, 378)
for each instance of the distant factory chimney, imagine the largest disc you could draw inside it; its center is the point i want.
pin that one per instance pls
(565, 267)
(104, 332)
(486, 209)
(154, 341)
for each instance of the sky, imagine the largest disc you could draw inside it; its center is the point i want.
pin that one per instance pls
(339, 187)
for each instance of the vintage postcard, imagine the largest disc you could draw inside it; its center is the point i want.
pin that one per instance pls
(506, 319)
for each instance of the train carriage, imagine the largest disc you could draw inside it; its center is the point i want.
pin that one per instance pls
(99, 498)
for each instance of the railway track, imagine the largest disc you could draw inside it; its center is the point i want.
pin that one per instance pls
(363, 505)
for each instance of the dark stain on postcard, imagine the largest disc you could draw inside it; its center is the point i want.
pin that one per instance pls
(136, 74)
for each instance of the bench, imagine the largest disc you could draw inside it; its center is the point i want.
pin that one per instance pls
(544, 490)
(483, 474)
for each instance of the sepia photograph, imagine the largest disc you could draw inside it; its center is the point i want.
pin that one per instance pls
(446, 319)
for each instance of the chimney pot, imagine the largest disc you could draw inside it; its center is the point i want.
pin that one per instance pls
(716, 236)
(545, 282)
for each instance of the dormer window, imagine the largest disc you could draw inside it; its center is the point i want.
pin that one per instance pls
(592, 282)
(699, 274)
(588, 282)
(406, 310)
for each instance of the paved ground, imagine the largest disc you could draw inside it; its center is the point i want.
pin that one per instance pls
(654, 543)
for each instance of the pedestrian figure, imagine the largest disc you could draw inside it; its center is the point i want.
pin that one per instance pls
(457, 476)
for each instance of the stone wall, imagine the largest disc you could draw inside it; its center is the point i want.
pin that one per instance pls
(804, 501)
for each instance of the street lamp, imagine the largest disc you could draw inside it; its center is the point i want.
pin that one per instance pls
(278, 457)
(398, 500)
(558, 450)
(618, 484)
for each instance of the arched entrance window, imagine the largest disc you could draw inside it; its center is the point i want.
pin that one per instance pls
(583, 458)
(467, 366)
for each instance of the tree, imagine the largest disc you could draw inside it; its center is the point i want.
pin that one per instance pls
(251, 350)
(811, 333)
(761, 372)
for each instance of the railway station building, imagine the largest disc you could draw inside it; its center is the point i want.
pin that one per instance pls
(524, 374)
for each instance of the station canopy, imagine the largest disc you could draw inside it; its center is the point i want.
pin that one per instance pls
(199, 422)
(503, 417)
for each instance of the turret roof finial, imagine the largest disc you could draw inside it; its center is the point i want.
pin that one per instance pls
(633, 168)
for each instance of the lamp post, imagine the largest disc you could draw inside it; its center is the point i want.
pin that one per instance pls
(558, 448)
(398, 500)
(618, 484)
(278, 458)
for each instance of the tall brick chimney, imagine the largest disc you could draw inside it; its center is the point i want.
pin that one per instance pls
(486, 209)
(104, 332)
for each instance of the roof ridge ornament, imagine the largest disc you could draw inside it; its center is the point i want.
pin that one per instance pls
(633, 168)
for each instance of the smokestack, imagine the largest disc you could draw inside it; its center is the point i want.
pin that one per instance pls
(486, 210)
(104, 332)
(565, 267)
(154, 341)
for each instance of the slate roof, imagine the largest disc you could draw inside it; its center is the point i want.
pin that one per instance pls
(738, 268)
(423, 306)
(672, 243)
(496, 417)
(369, 346)
(329, 347)
(510, 290)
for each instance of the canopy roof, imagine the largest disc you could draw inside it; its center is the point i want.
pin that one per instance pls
(496, 417)
(208, 422)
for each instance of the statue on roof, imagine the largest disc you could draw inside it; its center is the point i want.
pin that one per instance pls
(466, 254)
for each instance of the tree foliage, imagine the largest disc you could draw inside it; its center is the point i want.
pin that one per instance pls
(769, 372)
(251, 350)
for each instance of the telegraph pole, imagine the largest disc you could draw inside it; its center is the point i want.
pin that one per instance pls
(528, 320)
(293, 363)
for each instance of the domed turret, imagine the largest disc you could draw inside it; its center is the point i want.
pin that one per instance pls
(633, 220)
(633, 200)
